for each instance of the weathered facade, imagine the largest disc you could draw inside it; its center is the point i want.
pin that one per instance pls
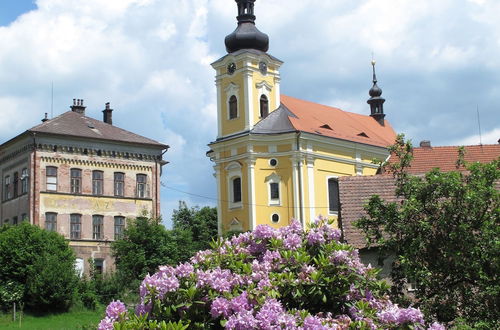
(82, 178)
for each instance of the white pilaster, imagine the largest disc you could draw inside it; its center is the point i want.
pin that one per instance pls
(219, 108)
(251, 193)
(248, 91)
(311, 188)
(219, 199)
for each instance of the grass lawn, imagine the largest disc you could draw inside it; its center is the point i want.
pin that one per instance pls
(82, 319)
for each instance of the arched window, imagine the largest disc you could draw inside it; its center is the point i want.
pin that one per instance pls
(76, 180)
(236, 190)
(264, 106)
(233, 107)
(97, 182)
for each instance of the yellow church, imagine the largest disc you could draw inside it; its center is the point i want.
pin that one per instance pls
(278, 158)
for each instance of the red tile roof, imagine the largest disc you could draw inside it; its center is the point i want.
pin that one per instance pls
(333, 122)
(444, 158)
(354, 193)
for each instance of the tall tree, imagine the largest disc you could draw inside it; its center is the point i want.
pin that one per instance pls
(445, 235)
(202, 223)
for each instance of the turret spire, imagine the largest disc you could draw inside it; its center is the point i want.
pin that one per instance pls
(246, 35)
(376, 102)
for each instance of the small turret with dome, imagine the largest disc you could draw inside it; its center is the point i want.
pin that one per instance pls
(246, 35)
(376, 102)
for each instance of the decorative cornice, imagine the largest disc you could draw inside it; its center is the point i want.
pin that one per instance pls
(94, 163)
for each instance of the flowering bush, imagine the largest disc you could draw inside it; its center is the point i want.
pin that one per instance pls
(285, 278)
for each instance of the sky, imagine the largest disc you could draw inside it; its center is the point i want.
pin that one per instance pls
(437, 64)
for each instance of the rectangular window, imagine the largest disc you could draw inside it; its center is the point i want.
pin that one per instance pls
(275, 190)
(24, 181)
(75, 226)
(97, 226)
(119, 227)
(119, 184)
(6, 185)
(236, 190)
(14, 220)
(51, 174)
(24, 217)
(76, 181)
(16, 184)
(141, 185)
(99, 265)
(333, 195)
(97, 182)
(51, 221)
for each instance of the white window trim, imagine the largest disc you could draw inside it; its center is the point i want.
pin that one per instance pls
(273, 178)
(232, 89)
(271, 217)
(233, 171)
(328, 194)
(263, 88)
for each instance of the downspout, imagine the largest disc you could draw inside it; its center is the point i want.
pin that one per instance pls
(33, 192)
(299, 170)
(157, 185)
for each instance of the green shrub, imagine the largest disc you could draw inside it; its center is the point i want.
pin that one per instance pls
(40, 262)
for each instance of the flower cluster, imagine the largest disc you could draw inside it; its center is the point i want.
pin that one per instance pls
(114, 312)
(287, 278)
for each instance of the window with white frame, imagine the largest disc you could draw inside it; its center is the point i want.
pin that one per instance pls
(6, 188)
(119, 226)
(97, 182)
(119, 184)
(76, 180)
(97, 226)
(232, 91)
(233, 107)
(333, 195)
(51, 177)
(264, 106)
(24, 181)
(141, 189)
(75, 226)
(233, 172)
(51, 221)
(273, 189)
(236, 193)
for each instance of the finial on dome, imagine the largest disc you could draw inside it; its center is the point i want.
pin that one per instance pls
(376, 102)
(246, 35)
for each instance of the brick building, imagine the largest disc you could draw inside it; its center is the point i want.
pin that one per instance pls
(81, 177)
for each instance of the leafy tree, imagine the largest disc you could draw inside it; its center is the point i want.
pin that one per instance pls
(202, 223)
(445, 235)
(39, 262)
(147, 244)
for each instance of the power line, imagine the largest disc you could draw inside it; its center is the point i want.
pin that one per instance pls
(248, 204)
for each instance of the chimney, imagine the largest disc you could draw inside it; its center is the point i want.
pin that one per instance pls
(45, 119)
(78, 106)
(425, 144)
(107, 114)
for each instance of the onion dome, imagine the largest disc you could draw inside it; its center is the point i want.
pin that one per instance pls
(246, 35)
(376, 102)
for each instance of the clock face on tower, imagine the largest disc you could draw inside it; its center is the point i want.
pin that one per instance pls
(263, 67)
(231, 68)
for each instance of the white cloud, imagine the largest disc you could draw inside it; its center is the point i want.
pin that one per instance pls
(436, 60)
(490, 137)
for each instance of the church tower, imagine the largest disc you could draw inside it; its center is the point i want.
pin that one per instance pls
(278, 158)
(247, 78)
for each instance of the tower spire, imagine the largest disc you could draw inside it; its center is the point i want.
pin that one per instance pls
(375, 101)
(246, 35)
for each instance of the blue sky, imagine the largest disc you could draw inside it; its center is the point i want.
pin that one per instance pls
(437, 63)
(11, 9)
